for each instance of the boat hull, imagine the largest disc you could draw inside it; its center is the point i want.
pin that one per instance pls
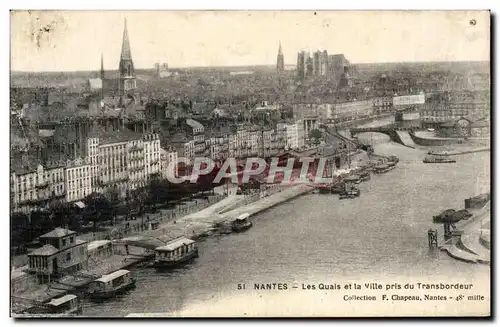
(99, 296)
(438, 162)
(162, 265)
(381, 171)
(350, 196)
(241, 228)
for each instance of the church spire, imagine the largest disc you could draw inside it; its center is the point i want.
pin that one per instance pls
(102, 67)
(127, 72)
(125, 44)
(280, 62)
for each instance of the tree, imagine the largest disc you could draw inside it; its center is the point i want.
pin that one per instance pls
(113, 198)
(98, 208)
(316, 135)
(60, 212)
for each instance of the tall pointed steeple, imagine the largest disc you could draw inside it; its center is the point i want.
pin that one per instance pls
(125, 44)
(280, 65)
(127, 72)
(102, 67)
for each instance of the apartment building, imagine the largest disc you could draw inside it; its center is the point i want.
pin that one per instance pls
(78, 179)
(168, 157)
(152, 148)
(34, 184)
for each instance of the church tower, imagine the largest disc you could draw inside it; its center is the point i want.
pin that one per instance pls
(102, 68)
(127, 72)
(280, 66)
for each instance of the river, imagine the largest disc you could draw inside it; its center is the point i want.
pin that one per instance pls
(318, 238)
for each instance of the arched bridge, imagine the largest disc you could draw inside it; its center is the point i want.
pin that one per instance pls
(394, 131)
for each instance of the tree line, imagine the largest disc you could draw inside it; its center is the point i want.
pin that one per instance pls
(103, 208)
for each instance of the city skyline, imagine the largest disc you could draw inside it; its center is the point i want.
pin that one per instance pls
(219, 39)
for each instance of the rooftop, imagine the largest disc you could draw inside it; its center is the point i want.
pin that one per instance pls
(96, 244)
(58, 232)
(175, 244)
(45, 250)
(118, 136)
(114, 275)
(61, 300)
(194, 124)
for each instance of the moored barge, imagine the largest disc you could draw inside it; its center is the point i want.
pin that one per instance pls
(175, 253)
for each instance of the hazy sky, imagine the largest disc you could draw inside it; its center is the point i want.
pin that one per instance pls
(76, 39)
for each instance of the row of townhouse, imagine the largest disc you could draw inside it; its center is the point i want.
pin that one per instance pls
(120, 159)
(449, 106)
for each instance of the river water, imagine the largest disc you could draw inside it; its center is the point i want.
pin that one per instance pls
(317, 238)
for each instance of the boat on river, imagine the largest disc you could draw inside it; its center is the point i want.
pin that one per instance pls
(349, 192)
(175, 253)
(111, 285)
(356, 179)
(432, 159)
(325, 189)
(380, 169)
(66, 306)
(337, 188)
(241, 224)
(365, 176)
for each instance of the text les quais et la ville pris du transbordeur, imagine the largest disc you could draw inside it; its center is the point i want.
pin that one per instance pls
(437, 291)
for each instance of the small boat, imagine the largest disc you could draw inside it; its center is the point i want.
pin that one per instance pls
(337, 188)
(393, 160)
(324, 189)
(380, 169)
(241, 223)
(65, 306)
(349, 193)
(353, 179)
(175, 253)
(111, 285)
(365, 176)
(431, 159)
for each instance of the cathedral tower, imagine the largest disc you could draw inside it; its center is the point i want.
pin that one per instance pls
(280, 66)
(127, 72)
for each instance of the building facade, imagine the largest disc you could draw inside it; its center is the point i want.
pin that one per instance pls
(168, 157)
(33, 188)
(78, 178)
(448, 106)
(152, 164)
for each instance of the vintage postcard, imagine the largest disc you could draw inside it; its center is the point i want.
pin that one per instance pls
(250, 163)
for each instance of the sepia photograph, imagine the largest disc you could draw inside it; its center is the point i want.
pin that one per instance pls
(250, 164)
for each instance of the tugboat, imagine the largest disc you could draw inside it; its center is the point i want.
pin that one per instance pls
(431, 159)
(350, 192)
(176, 253)
(380, 169)
(241, 223)
(111, 285)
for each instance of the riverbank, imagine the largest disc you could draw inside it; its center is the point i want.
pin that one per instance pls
(456, 152)
(469, 245)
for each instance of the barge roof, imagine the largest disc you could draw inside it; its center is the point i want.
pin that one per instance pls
(175, 244)
(113, 275)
